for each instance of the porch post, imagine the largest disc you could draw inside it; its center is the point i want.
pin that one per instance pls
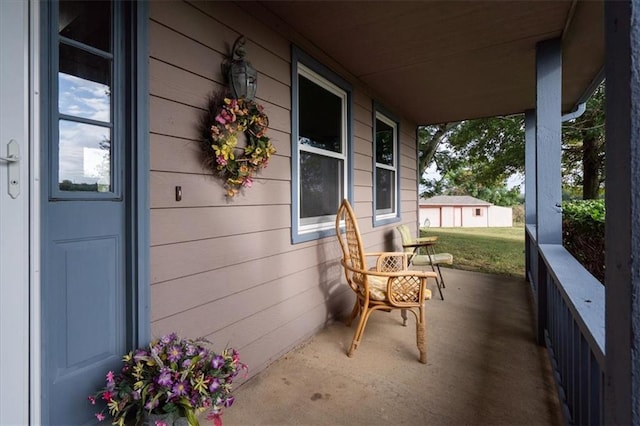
(548, 136)
(530, 189)
(622, 230)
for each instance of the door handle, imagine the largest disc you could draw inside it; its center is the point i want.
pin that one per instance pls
(10, 159)
(13, 168)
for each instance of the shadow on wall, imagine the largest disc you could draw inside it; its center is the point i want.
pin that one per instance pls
(389, 239)
(338, 297)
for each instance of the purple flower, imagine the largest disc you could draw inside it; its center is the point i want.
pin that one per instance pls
(153, 403)
(217, 362)
(229, 401)
(214, 386)
(175, 352)
(164, 379)
(166, 339)
(186, 363)
(180, 389)
(139, 355)
(191, 350)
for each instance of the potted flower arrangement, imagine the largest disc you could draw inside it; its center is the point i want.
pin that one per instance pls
(170, 378)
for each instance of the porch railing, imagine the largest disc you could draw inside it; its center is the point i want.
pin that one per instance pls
(571, 313)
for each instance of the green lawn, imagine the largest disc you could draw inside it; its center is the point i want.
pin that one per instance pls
(491, 250)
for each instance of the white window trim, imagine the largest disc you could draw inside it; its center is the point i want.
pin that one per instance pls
(321, 223)
(386, 214)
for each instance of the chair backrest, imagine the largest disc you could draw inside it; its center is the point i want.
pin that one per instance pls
(350, 242)
(406, 237)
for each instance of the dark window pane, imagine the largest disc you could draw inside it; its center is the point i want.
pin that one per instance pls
(84, 157)
(320, 116)
(384, 143)
(385, 190)
(321, 184)
(88, 22)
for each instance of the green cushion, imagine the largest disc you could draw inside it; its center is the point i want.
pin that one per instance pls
(437, 259)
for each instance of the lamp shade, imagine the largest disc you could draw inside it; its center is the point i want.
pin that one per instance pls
(243, 78)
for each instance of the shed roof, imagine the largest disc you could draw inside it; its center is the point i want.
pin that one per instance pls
(443, 61)
(453, 200)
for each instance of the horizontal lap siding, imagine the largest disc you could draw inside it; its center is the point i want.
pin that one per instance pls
(226, 269)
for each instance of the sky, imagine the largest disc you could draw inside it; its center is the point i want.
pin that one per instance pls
(81, 160)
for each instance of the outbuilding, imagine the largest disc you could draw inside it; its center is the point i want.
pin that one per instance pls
(462, 211)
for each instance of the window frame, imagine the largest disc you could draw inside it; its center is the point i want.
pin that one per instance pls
(327, 79)
(382, 114)
(477, 212)
(116, 119)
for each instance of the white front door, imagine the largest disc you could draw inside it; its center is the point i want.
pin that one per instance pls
(14, 212)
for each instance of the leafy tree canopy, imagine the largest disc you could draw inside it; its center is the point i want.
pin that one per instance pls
(485, 152)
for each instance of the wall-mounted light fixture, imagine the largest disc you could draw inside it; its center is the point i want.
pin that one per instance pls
(242, 77)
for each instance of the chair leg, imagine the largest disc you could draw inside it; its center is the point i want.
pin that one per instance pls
(438, 277)
(354, 312)
(421, 335)
(439, 288)
(403, 314)
(441, 277)
(357, 336)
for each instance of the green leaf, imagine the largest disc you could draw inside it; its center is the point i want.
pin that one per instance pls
(191, 417)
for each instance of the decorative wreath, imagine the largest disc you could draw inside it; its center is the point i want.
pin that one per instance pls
(227, 119)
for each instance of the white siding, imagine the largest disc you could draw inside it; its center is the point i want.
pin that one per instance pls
(500, 216)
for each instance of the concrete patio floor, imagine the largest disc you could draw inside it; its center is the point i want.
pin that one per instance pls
(483, 367)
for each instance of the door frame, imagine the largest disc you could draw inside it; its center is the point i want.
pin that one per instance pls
(137, 184)
(14, 214)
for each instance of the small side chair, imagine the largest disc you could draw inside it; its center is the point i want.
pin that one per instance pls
(432, 259)
(387, 286)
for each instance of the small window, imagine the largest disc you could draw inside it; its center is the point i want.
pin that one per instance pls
(84, 153)
(322, 143)
(385, 179)
(477, 212)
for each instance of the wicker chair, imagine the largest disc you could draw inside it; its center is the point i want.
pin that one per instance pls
(387, 286)
(432, 258)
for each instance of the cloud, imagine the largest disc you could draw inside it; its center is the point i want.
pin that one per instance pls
(84, 98)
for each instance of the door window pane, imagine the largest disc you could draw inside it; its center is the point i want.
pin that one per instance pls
(88, 22)
(321, 183)
(84, 157)
(84, 84)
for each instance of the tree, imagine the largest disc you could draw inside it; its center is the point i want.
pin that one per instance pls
(429, 138)
(583, 147)
(492, 149)
(462, 181)
(477, 158)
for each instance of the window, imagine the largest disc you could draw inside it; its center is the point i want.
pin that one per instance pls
(84, 154)
(477, 212)
(385, 175)
(321, 141)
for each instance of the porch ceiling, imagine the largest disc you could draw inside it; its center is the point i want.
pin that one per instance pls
(443, 61)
